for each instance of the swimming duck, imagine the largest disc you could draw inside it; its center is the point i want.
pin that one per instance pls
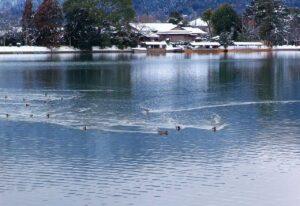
(214, 129)
(163, 132)
(178, 128)
(146, 111)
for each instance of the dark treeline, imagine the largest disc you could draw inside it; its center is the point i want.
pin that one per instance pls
(161, 8)
(87, 23)
(263, 20)
(79, 23)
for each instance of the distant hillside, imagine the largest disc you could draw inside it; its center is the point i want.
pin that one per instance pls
(163, 7)
(12, 9)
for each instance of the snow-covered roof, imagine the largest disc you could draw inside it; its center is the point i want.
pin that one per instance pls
(155, 43)
(205, 43)
(198, 22)
(215, 38)
(194, 30)
(149, 34)
(184, 30)
(150, 30)
(153, 27)
(153, 30)
(248, 43)
(176, 32)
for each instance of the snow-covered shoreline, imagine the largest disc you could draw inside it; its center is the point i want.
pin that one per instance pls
(114, 49)
(62, 49)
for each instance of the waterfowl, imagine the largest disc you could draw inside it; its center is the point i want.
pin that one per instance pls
(214, 129)
(163, 132)
(27, 105)
(48, 116)
(84, 128)
(146, 111)
(7, 115)
(178, 128)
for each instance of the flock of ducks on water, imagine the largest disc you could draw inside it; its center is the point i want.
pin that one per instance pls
(177, 127)
(27, 105)
(84, 128)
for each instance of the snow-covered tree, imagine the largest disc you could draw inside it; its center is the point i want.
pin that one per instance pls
(294, 25)
(27, 23)
(225, 19)
(80, 28)
(97, 22)
(226, 38)
(175, 17)
(48, 22)
(206, 16)
(268, 20)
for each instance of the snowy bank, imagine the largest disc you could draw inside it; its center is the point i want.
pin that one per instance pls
(114, 49)
(110, 49)
(287, 47)
(35, 50)
(274, 48)
(23, 49)
(45, 50)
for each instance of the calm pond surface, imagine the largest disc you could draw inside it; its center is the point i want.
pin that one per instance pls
(253, 158)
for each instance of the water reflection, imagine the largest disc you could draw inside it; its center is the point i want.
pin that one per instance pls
(120, 160)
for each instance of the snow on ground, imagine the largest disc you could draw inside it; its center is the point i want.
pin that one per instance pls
(110, 49)
(286, 47)
(283, 47)
(68, 49)
(246, 47)
(23, 49)
(35, 49)
(65, 49)
(62, 49)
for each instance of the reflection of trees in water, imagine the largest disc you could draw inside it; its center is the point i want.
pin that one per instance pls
(264, 77)
(104, 76)
(268, 78)
(227, 70)
(108, 75)
(50, 77)
(221, 75)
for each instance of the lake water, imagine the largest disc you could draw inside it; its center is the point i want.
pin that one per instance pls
(252, 159)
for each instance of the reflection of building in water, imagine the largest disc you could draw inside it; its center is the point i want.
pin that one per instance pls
(170, 77)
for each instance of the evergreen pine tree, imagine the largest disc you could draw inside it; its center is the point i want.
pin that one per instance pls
(48, 23)
(206, 16)
(269, 20)
(80, 28)
(97, 22)
(294, 25)
(225, 19)
(27, 23)
(175, 17)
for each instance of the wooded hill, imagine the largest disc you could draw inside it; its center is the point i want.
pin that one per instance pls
(157, 8)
